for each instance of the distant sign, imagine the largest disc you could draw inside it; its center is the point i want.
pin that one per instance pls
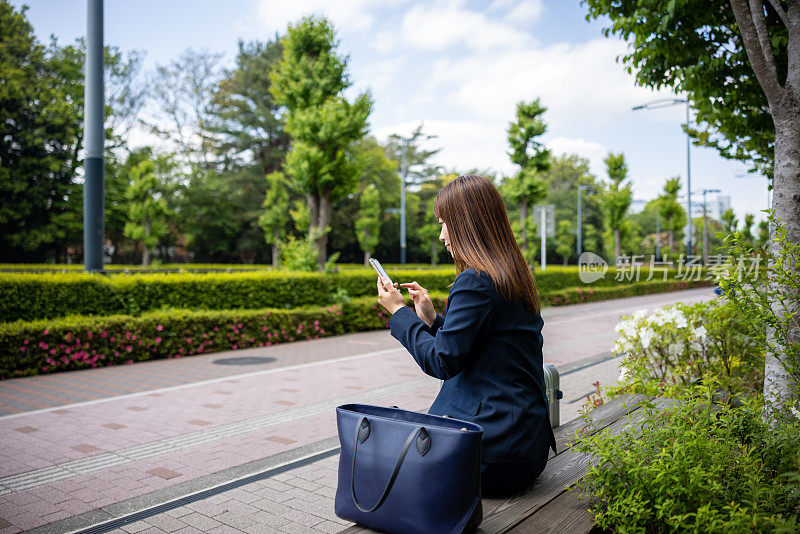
(549, 218)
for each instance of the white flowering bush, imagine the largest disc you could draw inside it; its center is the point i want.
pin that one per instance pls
(676, 345)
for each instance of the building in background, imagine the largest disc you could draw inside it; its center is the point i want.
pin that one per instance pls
(722, 205)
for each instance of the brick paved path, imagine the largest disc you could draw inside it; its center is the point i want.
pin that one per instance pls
(83, 447)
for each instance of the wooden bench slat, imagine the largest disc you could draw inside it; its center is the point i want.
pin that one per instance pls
(566, 513)
(602, 416)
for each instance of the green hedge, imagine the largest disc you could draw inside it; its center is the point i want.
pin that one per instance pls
(43, 296)
(76, 342)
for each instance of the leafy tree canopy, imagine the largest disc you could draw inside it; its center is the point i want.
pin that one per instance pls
(694, 47)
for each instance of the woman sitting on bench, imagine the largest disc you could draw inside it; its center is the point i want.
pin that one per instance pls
(488, 348)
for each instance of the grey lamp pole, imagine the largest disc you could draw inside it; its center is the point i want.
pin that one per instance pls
(664, 103)
(94, 117)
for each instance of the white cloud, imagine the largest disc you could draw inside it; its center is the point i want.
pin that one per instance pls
(577, 83)
(525, 12)
(447, 23)
(377, 75)
(346, 15)
(518, 11)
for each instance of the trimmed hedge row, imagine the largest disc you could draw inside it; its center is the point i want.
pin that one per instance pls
(77, 342)
(44, 296)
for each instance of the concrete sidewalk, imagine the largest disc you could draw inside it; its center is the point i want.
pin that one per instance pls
(218, 443)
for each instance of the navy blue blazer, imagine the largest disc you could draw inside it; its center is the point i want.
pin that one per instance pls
(488, 351)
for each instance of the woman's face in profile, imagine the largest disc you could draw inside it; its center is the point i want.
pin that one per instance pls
(444, 237)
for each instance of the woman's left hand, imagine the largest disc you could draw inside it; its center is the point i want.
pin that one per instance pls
(390, 297)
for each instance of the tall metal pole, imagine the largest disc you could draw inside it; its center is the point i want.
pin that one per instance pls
(580, 244)
(94, 117)
(403, 202)
(688, 186)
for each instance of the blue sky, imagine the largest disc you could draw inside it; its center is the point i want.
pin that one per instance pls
(457, 66)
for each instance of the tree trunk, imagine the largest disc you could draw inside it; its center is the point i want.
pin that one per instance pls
(523, 219)
(323, 221)
(275, 247)
(367, 254)
(617, 245)
(434, 253)
(313, 210)
(778, 384)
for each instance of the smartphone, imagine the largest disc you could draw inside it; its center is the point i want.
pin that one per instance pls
(379, 269)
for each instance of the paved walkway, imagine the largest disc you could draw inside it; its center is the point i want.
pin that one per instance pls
(233, 441)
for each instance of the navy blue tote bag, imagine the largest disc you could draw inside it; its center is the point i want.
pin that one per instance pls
(408, 472)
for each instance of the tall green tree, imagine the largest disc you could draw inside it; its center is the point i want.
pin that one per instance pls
(181, 93)
(147, 209)
(380, 171)
(244, 121)
(309, 81)
(565, 240)
(615, 199)
(530, 154)
(566, 173)
(368, 224)
(206, 213)
(670, 210)
(408, 151)
(729, 221)
(39, 138)
(41, 114)
(276, 214)
(747, 229)
(737, 62)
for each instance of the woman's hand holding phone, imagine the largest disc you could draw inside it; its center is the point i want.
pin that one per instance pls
(389, 296)
(422, 302)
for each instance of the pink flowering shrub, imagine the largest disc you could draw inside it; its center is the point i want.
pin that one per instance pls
(78, 342)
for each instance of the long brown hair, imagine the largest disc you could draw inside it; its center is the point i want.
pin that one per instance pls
(481, 237)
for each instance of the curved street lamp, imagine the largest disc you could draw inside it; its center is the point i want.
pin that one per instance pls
(665, 103)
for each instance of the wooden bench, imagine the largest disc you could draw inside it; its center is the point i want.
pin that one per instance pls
(548, 506)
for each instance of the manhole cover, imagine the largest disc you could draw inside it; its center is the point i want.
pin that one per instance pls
(245, 360)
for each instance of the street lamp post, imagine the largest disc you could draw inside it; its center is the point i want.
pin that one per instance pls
(94, 115)
(403, 176)
(667, 102)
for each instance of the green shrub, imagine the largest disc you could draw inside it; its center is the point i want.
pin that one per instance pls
(575, 295)
(299, 254)
(696, 467)
(60, 344)
(40, 296)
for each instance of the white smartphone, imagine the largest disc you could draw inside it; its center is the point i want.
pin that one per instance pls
(379, 269)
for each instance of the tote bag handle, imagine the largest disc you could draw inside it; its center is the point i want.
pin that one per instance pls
(362, 433)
